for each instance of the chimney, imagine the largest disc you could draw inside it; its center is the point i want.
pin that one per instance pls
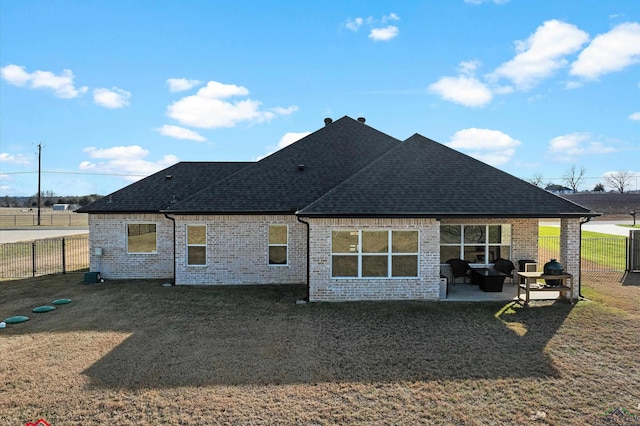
(327, 121)
(362, 119)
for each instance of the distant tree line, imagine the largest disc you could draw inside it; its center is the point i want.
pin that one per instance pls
(47, 199)
(574, 177)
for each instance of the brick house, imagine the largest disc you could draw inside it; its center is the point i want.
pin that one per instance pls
(350, 211)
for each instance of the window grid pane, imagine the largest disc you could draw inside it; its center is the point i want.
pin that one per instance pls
(344, 266)
(141, 238)
(404, 266)
(277, 234)
(197, 255)
(278, 244)
(404, 241)
(197, 234)
(372, 254)
(375, 266)
(375, 241)
(476, 243)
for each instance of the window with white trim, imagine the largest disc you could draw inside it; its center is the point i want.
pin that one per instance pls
(374, 254)
(278, 244)
(475, 243)
(196, 245)
(141, 238)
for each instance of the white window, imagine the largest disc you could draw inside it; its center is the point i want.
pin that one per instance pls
(475, 243)
(141, 238)
(196, 245)
(374, 254)
(278, 244)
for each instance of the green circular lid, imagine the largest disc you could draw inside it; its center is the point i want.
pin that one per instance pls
(16, 319)
(61, 301)
(40, 309)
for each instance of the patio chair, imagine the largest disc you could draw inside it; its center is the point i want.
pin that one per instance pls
(506, 267)
(459, 269)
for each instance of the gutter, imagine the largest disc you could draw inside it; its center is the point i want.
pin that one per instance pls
(308, 260)
(580, 296)
(173, 279)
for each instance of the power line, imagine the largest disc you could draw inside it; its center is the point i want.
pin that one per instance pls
(72, 173)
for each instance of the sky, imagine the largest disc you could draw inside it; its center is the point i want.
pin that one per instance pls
(116, 90)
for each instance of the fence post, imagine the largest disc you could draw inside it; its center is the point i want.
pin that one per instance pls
(33, 258)
(64, 257)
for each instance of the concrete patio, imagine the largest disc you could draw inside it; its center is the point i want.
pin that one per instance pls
(471, 293)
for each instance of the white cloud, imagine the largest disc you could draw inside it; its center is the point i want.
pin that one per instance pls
(379, 30)
(207, 109)
(541, 54)
(354, 24)
(464, 90)
(290, 138)
(181, 84)
(61, 85)
(125, 160)
(384, 34)
(180, 133)
(13, 159)
(635, 116)
(111, 98)
(490, 146)
(609, 52)
(575, 144)
(286, 140)
(390, 17)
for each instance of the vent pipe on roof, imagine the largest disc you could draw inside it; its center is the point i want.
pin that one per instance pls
(362, 119)
(328, 121)
(300, 167)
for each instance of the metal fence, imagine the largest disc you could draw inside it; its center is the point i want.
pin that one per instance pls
(44, 257)
(46, 219)
(597, 254)
(634, 250)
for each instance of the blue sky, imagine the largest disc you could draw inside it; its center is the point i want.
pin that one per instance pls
(117, 90)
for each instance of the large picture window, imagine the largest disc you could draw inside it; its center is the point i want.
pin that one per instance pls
(278, 244)
(475, 243)
(196, 245)
(374, 254)
(141, 238)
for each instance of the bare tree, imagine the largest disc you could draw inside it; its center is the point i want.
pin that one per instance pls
(573, 177)
(536, 179)
(619, 180)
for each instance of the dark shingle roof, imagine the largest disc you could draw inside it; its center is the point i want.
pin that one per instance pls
(156, 192)
(345, 169)
(297, 175)
(421, 177)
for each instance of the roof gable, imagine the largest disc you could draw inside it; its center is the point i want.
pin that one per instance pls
(296, 175)
(421, 177)
(162, 189)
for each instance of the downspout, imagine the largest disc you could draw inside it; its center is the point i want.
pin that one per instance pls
(173, 280)
(580, 296)
(308, 261)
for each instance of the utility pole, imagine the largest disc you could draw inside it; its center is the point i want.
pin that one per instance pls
(39, 173)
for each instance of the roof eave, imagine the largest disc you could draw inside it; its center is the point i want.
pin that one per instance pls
(450, 215)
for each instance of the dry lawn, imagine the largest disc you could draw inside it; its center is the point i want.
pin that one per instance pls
(135, 352)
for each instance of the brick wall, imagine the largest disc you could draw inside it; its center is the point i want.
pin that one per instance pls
(109, 232)
(238, 251)
(570, 250)
(325, 288)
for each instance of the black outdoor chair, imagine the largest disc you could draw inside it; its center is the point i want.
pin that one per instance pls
(459, 269)
(505, 266)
